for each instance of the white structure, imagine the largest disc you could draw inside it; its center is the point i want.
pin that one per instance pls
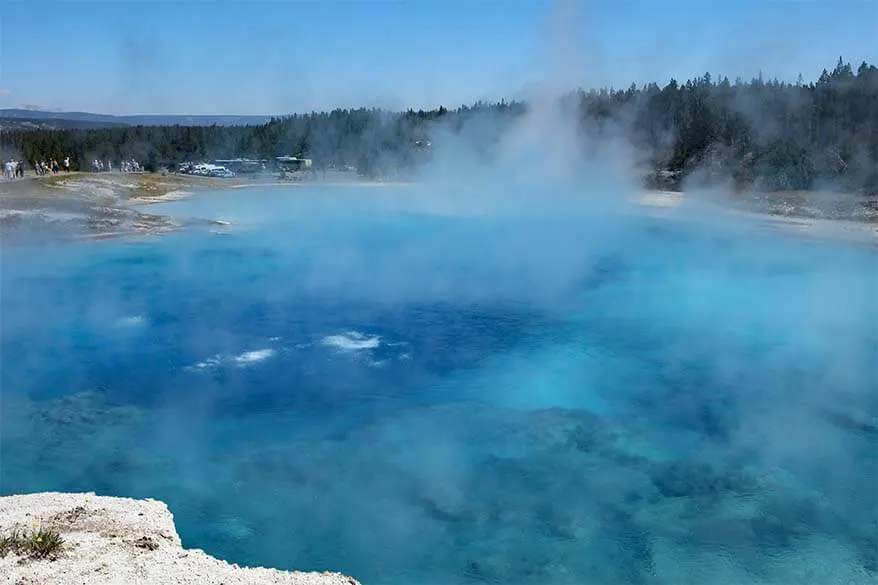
(294, 163)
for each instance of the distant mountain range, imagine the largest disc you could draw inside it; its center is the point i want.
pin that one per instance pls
(24, 118)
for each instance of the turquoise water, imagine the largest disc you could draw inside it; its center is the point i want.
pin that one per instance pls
(459, 393)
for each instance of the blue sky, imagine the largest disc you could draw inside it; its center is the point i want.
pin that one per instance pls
(252, 57)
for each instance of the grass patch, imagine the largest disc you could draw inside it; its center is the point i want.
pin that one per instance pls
(38, 543)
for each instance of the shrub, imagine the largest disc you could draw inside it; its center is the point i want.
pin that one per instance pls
(38, 543)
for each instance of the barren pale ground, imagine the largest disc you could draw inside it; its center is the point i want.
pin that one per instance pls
(120, 540)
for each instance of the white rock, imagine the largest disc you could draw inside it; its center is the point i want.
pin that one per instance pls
(124, 541)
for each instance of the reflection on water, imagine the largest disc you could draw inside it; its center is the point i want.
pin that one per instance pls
(449, 400)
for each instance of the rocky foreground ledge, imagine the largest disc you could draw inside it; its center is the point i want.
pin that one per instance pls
(120, 540)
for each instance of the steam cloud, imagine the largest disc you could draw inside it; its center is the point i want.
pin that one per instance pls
(595, 391)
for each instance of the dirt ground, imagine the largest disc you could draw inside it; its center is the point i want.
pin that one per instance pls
(86, 205)
(107, 541)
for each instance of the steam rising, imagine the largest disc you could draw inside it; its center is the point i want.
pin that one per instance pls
(510, 372)
(562, 385)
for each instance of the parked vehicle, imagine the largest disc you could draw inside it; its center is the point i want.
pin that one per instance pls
(205, 170)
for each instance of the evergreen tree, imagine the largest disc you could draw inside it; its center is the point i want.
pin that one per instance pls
(769, 134)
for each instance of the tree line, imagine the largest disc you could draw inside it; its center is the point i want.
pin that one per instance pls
(760, 133)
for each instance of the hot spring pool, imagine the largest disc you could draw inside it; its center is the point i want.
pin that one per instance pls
(343, 382)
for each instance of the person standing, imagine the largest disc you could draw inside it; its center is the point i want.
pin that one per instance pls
(66, 164)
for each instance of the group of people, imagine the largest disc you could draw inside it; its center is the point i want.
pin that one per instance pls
(127, 166)
(131, 166)
(51, 167)
(13, 169)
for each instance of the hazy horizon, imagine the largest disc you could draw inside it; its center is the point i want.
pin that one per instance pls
(269, 58)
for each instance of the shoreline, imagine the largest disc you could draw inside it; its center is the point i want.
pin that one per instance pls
(90, 206)
(301, 184)
(859, 232)
(109, 540)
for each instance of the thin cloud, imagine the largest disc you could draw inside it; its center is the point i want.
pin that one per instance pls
(5, 92)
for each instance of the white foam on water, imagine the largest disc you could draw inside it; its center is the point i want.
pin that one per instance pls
(363, 347)
(132, 321)
(351, 341)
(248, 358)
(210, 362)
(252, 357)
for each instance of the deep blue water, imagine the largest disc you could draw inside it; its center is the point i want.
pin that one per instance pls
(348, 382)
